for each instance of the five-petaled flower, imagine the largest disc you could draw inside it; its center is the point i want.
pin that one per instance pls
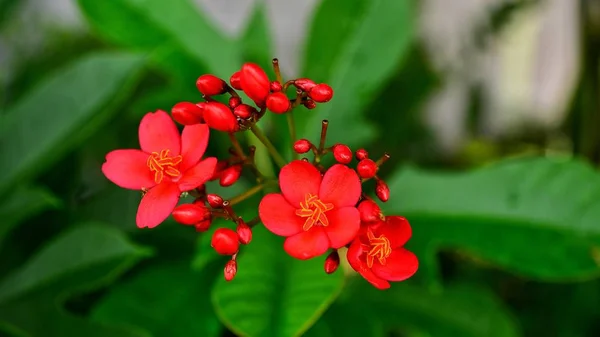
(166, 165)
(315, 212)
(377, 252)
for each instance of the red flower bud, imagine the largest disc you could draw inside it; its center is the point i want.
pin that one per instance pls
(244, 111)
(342, 153)
(236, 80)
(276, 86)
(382, 190)
(255, 83)
(219, 117)
(302, 146)
(203, 226)
(321, 93)
(225, 241)
(304, 84)
(332, 262)
(234, 102)
(369, 211)
(221, 165)
(211, 85)
(230, 175)
(190, 214)
(278, 103)
(187, 113)
(230, 270)
(362, 154)
(214, 200)
(366, 168)
(310, 104)
(244, 233)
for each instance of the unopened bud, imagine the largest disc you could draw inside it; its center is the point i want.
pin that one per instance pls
(304, 84)
(369, 211)
(187, 113)
(225, 241)
(244, 232)
(203, 226)
(230, 175)
(332, 262)
(234, 102)
(366, 168)
(218, 116)
(244, 111)
(211, 85)
(321, 93)
(235, 80)
(214, 200)
(302, 146)
(230, 270)
(278, 103)
(255, 83)
(382, 190)
(362, 154)
(190, 214)
(342, 153)
(276, 86)
(310, 104)
(221, 165)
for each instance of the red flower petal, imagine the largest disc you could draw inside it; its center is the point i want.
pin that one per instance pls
(194, 140)
(340, 186)
(353, 255)
(344, 224)
(198, 174)
(396, 229)
(158, 132)
(399, 266)
(279, 216)
(157, 205)
(297, 179)
(306, 245)
(128, 169)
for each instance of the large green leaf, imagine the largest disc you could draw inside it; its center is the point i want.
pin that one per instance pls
(177, 24)
(369, 53)
(61, 111)
(274, 294)
(165, 300)
(538, 217)
(82, 259)
(459, 311)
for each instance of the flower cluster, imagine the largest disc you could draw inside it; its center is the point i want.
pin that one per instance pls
(319, 209)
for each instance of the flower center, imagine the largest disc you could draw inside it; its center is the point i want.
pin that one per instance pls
(313, 209)
(380, 249)
(161, 164)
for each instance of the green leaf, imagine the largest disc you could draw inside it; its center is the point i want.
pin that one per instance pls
(537, 217)
(272, 293)
(61, 111)
(459, 311)
(152, 23)
(256, 40)
(184, 303)
(73, 256)
(368, 56)
(23, 203)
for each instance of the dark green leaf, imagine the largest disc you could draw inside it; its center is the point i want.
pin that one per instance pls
(274, 294)
(166, 301)
(537, 217)
(64, 109)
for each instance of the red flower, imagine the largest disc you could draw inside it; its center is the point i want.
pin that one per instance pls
(377, 253)
(315, 212)
(167, 165)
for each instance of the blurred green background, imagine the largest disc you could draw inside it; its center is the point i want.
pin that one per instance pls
(490, 109)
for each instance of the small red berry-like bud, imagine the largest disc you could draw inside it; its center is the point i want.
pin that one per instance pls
(362, 154)
(234, 102)
(230, 175)
(236, 80)
(211, 85)
(342, 153)
(369, 211)
(225, 241)
(304, 84)
(255, 83)
(214, 200)
(244, 232)
(321, 93)
(244, 111)
(190, 214)
(382, 190)
(278, 103)
(302, 146)
(187, 113)
(276, 86)
(203, 226)
(230, 270)
(332, 262)
(221, 165)
(219, 117)
(366, 168)
(310, 104)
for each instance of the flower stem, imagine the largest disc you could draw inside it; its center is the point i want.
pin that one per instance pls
(292, 127)
(236, 146)
(247, 160)
(267, 143)
(277, 70)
